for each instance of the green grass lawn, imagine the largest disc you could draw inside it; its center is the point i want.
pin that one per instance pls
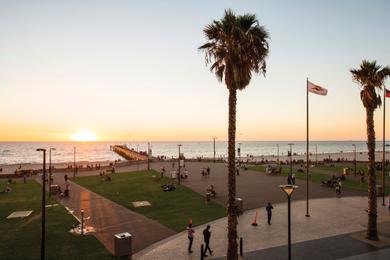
(324, 172)
(338, 167)
(172, 209)
(20, 238)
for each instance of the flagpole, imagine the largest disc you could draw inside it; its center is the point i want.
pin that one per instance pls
(307, 147)
(383, 152)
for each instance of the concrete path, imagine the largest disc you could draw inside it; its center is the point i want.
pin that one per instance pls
(109, 218)
(376, 255)
(255, 188)
(329, 217)
(350, 246)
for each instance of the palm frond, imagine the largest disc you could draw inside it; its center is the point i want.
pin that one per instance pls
(237, 47)
(371, 76)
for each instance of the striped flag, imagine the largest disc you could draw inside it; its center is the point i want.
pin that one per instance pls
(387, 94)
(313, 88)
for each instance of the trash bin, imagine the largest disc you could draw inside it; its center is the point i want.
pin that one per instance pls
(54, 189)
(379, 190)
(123, 245)
(240, 206)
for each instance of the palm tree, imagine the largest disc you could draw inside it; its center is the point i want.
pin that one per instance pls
(371, 77)
(237, 46)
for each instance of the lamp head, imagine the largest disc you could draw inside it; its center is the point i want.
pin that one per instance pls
(53, 149)
(288, 189)
(41, 150)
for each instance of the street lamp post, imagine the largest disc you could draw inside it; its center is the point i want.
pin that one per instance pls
(43, 204)
(239, 151)
(290, 158)
(316, 156)
(50, 149)
(148, 156)
(354, 158)
(74, 162)
(214, 146)
(289, 189)
(179, 175)
(277, 145)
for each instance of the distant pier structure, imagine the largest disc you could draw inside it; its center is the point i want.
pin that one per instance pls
(129, 154)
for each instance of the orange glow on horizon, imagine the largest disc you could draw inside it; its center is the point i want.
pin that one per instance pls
(84, 136)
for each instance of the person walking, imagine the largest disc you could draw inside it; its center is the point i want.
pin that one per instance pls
(269, 209)
(338, 187)
(206, 237)
(190, 232)
(293, 179)
(162, 172)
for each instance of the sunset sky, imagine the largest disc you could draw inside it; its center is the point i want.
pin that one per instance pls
(130, 70)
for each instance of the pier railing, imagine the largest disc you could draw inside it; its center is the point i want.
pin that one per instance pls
(128, 154)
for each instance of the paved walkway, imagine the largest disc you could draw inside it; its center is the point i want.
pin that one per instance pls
(109, 218)
(255, 188)
(329, 217)
(346, 246)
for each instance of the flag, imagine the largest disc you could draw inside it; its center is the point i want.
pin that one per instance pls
(387, 94)
(316, 89)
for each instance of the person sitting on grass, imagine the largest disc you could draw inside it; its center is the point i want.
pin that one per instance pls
(168, 187)
(212, 190)
(7, 189)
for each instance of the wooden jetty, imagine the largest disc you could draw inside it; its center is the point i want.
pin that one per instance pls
(128, 154)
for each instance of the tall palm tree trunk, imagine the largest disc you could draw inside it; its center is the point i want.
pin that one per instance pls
(232, 217)
(372, 205)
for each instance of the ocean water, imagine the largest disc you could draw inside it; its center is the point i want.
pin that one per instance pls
(25, 152)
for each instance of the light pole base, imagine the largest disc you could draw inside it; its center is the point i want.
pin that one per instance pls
(307, 215)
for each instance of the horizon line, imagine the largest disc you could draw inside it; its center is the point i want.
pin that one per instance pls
(178, 141)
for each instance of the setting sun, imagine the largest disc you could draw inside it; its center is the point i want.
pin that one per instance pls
(84, 136)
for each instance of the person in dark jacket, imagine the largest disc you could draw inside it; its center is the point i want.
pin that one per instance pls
(269, 209)
(206, 236)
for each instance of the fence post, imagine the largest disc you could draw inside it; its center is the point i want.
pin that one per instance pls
(241, 247)
(201, 252)
(82, 222)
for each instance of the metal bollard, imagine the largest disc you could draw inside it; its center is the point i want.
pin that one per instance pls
(201, 252)
(241, 247)
(82, 222)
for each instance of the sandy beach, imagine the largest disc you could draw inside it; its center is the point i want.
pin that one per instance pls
(61, 167)
(347, 156)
